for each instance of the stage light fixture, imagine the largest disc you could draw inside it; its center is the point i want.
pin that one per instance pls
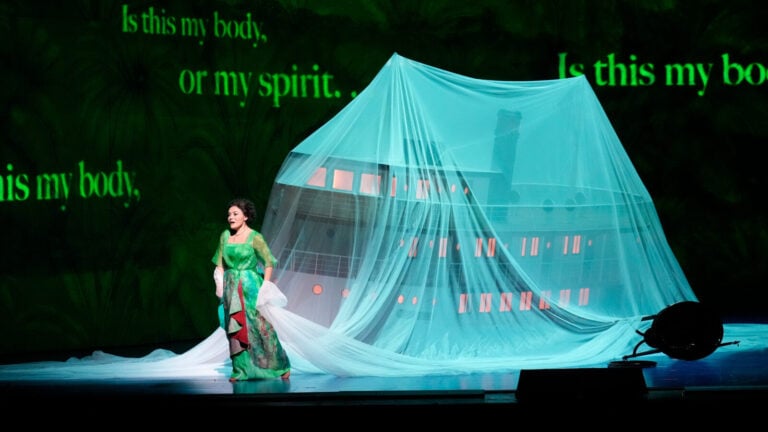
(686, 330)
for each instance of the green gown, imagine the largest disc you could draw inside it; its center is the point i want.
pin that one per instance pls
(254, 348)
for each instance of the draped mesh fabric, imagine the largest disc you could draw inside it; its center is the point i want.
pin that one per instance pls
(469, 225)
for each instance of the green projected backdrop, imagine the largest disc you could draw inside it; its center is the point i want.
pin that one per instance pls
(128, 125)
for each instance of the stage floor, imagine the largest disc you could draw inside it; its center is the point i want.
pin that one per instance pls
(729, 384)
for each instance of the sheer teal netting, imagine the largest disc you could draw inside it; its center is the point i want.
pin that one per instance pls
(441, 224)
(469, 225)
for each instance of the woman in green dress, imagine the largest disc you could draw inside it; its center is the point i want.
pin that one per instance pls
(242, 253)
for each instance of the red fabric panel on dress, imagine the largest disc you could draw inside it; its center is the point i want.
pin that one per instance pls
(242, 334)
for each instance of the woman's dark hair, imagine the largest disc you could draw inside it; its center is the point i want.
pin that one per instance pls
(246, 205)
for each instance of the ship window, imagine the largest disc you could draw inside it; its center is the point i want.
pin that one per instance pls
(318, 178)
(370, 184)
(342, 179)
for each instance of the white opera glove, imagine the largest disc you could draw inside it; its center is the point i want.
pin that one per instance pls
(218, 278)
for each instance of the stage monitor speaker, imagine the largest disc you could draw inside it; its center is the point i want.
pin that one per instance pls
(581, 385)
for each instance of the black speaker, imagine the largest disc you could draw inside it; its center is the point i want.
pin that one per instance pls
(581, 385)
